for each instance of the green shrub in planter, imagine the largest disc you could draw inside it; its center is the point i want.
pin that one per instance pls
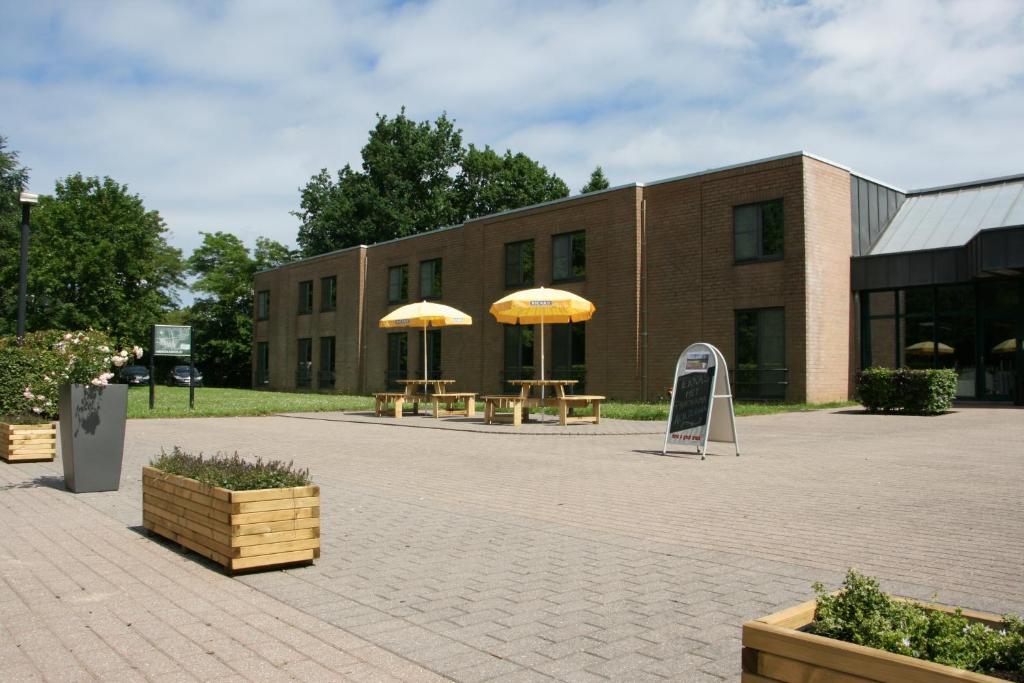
(913, 392)
(231, 472)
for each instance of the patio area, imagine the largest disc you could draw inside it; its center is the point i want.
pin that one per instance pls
(451, 551)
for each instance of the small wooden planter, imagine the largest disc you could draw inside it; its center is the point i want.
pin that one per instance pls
(28, 442)
(237, 529)
(775, 649)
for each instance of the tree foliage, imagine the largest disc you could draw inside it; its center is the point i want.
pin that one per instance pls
(99, 259)
(415, 177)
(222, 315)
(598, 181)
(13, 177)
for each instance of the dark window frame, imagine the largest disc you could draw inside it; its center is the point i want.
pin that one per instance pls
(263, 304)
(329, 298)
(305, 303)
(325, 376)
(783, 372)
(436, 281)
(519, 278)
(304, 368)
(262, 363)
(571, 237)
(759, 254)
(403, 286)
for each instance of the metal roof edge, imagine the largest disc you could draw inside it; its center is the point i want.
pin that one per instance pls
(719, 169)
(310, 258)
(969, 184)
(550, 202)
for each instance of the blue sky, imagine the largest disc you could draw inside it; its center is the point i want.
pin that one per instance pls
(217, 113)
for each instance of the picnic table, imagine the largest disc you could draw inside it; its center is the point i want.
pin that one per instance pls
(522, 402)
(437, 392)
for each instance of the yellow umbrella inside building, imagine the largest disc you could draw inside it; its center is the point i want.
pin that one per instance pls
(423, 315)
(542, 305)
(1005, 346)
(926, 348)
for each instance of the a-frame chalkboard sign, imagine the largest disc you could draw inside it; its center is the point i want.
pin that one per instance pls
(701, 409)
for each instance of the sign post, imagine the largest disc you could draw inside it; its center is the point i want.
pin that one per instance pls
(176, 341)
(701, 408)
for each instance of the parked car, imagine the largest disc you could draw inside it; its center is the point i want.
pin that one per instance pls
(179, 377)
(134, 375)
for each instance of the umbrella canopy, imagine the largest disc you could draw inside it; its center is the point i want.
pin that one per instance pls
(926, 348)
(541, 305)
(423, 315)
(1005, 346)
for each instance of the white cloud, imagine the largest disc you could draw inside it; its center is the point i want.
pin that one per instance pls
(218, 113)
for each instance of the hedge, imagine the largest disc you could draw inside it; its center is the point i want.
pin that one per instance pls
(912, 392)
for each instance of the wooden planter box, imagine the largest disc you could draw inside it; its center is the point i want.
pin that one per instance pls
(28, 443)
(237, 529)
(775, 649)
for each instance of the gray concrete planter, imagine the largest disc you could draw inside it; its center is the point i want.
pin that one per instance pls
(92, 422)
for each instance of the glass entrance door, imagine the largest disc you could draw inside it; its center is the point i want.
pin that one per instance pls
(1000, 356)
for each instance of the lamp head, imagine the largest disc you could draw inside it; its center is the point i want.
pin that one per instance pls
(29, 198)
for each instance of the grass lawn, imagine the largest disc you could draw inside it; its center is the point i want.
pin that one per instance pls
(213, 402)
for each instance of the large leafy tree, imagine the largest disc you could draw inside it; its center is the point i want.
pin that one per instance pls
(99, 258)
(415, 176)
(597, 181)
(222, 315)
(13, 177)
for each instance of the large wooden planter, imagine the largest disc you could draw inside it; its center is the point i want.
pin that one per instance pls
(237, 529)
(28, 442)
(775, 649)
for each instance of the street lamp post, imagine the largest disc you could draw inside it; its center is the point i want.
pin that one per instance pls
(27, 200)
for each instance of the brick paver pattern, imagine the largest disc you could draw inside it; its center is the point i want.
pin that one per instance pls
(478, 555)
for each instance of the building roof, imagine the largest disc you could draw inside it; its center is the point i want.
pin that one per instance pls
(950, 216)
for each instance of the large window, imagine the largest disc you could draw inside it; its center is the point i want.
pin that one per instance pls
(430, 279)
(569, 354)
(518, 355)
(262, 364)
(761, 354)
(569, 256)
(304, 369)
(398, 284)
(325, 376)
(758, 230)
(433, 355)
(263, 304)
(305, 297)
(328, 293)
(519, 264)
(398, 359)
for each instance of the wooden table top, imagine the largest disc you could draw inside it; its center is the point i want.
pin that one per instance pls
(543, 382)
(425, 381)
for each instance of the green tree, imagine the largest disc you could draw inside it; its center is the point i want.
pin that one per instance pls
(415, 177)
(13, 177)
(597, 181)
(222, 317)
(99, 259)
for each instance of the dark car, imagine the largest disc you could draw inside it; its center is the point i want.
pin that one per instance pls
(134, 375)
(179, 377)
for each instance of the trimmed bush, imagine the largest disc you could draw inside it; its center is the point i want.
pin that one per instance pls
(231, 472)
(912, 392)
(861, 613)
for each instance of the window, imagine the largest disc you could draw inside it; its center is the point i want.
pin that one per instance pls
(305, 297)
(758, 230)
(761, 354)
(325, 376)
(398, 284)
(569, 354)
(328, 293)
(519, 264)
(569, 256)
(304, 370)
(262, 364)
(398, 359)
(263, 305)
(430, 279)
(433, 355)
(518, 355)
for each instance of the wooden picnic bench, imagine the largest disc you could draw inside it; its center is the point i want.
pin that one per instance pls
(450, 398)
(495, 402)
(383, 399)
(564, 402)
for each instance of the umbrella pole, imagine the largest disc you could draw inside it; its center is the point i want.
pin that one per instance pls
(542, 367)
(424, 359)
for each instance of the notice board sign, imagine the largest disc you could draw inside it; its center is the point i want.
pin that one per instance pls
(172, 340)
(701, 408)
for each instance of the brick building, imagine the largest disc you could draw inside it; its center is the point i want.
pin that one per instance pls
(768, 260)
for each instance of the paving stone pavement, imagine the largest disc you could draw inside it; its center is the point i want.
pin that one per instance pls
(474, 556)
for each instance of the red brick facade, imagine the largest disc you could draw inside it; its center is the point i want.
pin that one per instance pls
(660, 267)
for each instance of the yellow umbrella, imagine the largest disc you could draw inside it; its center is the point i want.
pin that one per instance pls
(1005, 346)
(541, 305)
(926, 348)
(424, 314)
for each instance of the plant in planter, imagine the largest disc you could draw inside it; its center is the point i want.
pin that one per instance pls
(242, 515)
(862, 634)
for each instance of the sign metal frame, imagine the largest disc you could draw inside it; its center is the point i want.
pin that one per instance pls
(703, 363)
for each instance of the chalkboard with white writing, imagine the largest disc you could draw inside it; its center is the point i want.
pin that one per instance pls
(691, 398)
